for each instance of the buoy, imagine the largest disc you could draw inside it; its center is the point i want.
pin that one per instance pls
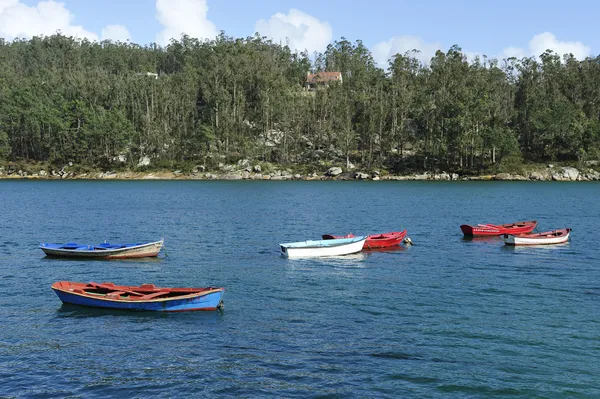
(407, 241)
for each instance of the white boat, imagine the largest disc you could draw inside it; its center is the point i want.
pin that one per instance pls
(316, 248)
(547, 238)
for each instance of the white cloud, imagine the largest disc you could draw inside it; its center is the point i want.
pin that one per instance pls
(18, 20)
(297, 29)
(117, 33)
(547, 40)
(383, 51)
(183, 17)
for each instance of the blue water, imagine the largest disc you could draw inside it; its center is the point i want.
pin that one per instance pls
(447, 317)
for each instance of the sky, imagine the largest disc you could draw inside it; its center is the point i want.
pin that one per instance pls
(495, 28)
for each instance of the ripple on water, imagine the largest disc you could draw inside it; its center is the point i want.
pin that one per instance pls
(447, 317)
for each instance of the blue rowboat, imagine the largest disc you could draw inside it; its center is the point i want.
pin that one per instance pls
(315, 248)
(146, 297)
(103, 251)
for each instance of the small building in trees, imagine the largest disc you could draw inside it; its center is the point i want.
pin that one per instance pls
(322, 79)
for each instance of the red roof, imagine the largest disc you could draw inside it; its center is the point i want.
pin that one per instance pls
(324, 77)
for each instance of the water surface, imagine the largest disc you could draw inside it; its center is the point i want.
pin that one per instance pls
(447, 317)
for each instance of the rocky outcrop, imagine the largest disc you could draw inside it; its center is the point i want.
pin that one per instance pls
(334, 171)
(503, 176)
(569, 173)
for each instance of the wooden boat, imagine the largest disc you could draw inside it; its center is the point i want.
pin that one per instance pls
(103, 251)
(498, 229)
(559, 236)
(375, 241)
(146, 297)
(315, 248)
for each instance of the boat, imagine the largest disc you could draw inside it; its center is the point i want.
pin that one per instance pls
(103, 251)
(146, 297)
(315, 248)
(559, 236)
(376, 241)
(498, 229)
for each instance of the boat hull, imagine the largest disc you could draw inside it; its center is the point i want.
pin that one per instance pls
(138, 251)
(209, 300)
(386, 240)
(498, 230)
(547, 238)
(375, 241)
(317, 248)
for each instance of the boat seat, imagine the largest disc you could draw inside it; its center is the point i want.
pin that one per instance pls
(148, 286)
(151, 296)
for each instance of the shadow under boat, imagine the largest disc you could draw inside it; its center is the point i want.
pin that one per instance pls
(77, 311)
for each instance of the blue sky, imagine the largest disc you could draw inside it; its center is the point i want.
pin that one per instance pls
(498, 28)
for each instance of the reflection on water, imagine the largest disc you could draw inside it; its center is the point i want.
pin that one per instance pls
(75, 311)
(155, 259)
(543, 247)
(489, 239)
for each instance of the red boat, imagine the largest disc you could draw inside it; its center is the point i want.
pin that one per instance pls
(384, 240)
(499, 229)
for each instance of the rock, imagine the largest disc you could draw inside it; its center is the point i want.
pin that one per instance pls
(144, 161)
(351, 166)
(376, 178)
(232, 176)
(257, 169)
(245, 175)
(70, 163)
(570, 173)
(557, 177)
(243, 163)
(334, 171)
(455, 176)
(199, 168)
(591, 163)
(376, 173)
(210, 176)
(297, 176)
(503, 176)
(361, 176)
(444, 176)
(537, 176)
(43, 173)
(422, 177)
(550, 166)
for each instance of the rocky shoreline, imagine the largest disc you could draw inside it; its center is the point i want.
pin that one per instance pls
(550, 173)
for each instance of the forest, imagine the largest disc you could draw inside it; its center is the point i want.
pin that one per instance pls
(108, 105)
